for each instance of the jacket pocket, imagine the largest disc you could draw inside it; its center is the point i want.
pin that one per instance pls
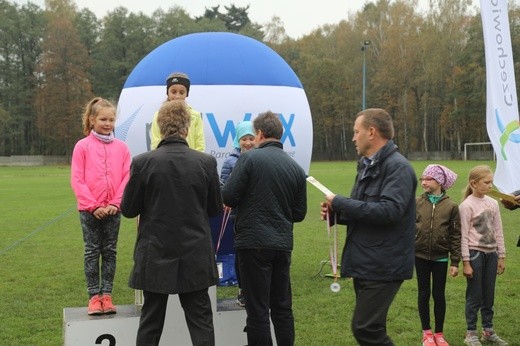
(372, 193)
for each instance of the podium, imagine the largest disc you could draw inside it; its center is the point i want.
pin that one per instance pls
(80, 329)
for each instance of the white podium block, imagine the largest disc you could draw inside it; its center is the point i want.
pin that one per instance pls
(120, 329)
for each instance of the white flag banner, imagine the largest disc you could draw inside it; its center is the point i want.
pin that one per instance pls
(502, 122)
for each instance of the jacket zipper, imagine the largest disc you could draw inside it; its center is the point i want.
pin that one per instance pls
(431, 233)
(106, 173)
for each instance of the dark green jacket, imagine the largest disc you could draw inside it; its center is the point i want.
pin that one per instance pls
(269, 190)
(437, 229)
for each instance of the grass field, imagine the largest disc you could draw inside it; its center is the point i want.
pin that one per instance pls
(41, 271)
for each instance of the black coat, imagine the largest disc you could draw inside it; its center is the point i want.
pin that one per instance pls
(269, 189)
(173, 189)
(380, 219)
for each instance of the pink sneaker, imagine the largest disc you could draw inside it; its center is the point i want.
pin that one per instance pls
(427, 339)
(108, 306)
(439, 339)
(94, 305)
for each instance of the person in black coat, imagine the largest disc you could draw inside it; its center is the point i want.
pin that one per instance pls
(174, 190)
(512, 206)
(379, 249)
(269, 190)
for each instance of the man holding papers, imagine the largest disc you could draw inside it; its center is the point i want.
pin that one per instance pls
(380, 218)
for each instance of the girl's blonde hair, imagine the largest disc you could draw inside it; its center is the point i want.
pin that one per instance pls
(91, 111)
(476, 174)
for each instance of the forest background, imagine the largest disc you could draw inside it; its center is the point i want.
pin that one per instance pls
(426, 69)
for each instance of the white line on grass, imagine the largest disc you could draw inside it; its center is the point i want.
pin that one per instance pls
(36, 230)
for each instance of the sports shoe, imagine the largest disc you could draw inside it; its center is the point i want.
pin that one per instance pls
(492, 338)
(439, 339)
(472, 340)
(108, 306)
(94, 305)
(427, 339)
(241, 299)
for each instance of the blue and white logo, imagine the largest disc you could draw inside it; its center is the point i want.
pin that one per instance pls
(233, 78)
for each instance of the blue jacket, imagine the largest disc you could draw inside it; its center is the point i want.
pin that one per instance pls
(228, 165)
(380, 219)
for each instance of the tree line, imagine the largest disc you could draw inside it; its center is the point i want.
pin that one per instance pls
(427, 69)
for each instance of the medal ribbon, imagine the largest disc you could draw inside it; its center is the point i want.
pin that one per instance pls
(225, 218)
(333, 249)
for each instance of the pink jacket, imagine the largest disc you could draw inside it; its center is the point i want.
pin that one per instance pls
(99, 172)
(481, 226)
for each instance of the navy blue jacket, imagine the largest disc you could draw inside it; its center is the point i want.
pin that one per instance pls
(228, 165)
(380, 219)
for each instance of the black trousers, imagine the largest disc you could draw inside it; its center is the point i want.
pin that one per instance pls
(265, 276)
(373, 300)
(431, 281)
(197, 311)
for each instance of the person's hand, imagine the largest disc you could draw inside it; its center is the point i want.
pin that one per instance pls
(507, 204)
(111, 209)
(326, 207)
(100, 213)
(467, 270)
(501, 266)
(510, 205)
(454, 271)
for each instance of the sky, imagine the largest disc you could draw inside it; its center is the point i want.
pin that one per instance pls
(299, 17)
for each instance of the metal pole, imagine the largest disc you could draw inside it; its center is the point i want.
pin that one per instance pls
(364, 78)
(366, 43)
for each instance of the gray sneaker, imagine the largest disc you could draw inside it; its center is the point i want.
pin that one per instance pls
(493, 338)
(472, 340)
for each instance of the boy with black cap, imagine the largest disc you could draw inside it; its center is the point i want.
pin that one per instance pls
(178, 88)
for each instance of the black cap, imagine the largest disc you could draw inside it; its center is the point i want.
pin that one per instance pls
(178, 78)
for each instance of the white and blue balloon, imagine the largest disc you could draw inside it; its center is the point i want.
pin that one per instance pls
(233, 78)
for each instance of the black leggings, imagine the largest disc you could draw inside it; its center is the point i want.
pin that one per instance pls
(100, 238)
(426, 271)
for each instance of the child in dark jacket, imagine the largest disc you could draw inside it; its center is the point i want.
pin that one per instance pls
(244, 141)
(437, 242)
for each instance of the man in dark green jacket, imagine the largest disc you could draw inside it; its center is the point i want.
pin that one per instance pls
(268, 188)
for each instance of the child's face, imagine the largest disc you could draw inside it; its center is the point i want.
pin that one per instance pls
(246, 142)
(482, 186)
(177, 92)
(103, 122)
(430, 185)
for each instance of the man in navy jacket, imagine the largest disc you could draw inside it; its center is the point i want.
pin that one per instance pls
(380, 218)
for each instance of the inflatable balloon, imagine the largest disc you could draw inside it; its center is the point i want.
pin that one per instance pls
(233, 78)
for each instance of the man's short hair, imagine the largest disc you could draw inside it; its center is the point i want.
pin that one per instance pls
(380, 119)
(269, 123)
(173, 119)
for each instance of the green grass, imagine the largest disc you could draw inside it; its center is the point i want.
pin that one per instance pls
(41, 271)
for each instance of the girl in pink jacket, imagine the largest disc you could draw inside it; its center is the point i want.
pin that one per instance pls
(99, 172)
(483, 254)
